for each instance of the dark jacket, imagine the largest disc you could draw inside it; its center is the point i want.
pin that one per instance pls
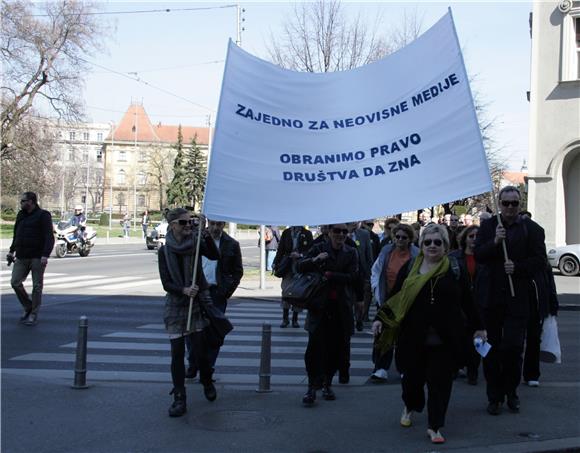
(285, 247)
(375, 244)
(229, 270)
(33, 234)
(450, 315)
(526, 248)
(341, 271)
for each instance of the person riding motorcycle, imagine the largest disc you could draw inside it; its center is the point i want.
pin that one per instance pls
(80, 221)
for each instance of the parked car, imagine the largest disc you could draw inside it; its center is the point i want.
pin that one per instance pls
(566, 258)
(156, 235)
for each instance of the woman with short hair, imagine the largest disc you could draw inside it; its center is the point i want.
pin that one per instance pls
(425, 316)
(176, 260)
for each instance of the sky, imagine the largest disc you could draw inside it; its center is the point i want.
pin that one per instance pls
(173, 61)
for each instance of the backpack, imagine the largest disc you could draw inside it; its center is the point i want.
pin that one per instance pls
(268, 236)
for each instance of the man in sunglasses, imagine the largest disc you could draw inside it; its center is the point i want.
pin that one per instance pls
(31, 245)
(505, 315)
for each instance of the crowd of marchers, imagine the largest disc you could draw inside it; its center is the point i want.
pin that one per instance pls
(438, 288)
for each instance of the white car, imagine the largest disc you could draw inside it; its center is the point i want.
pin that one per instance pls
(566, 258)
(156, 236)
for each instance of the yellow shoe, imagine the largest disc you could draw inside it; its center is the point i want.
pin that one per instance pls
(406, 418)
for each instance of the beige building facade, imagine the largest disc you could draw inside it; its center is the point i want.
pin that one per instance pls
(554, 154)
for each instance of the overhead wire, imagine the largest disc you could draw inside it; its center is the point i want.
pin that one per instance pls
(164, 10)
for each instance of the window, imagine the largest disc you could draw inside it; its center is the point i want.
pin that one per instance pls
(71, 154)
(85, 155)
(99, 136)
(122, 156)
(571, 45)
(85, 136)
(142, 178)
(141, 200)
(72, 136)
(142, 156)
(99, 155)
(121, 176)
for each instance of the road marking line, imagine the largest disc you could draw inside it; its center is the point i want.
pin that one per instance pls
(91, 283)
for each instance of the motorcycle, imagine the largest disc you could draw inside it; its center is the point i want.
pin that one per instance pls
(68, 241)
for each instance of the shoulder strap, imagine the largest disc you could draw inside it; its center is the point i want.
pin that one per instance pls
(454, 264)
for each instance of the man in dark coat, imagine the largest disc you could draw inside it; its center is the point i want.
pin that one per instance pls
(294, 243)
(32, 244)
(505, 315)
(224, 274)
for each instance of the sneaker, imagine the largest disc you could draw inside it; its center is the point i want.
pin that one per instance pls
(24, 317)
(32, 320)
(436, 436)
(179, 405)
(406, 418)
(533, 383)
(191, 372)
(380, 375)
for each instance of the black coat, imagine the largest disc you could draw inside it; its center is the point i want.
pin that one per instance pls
(341, 271)
(452, 316)
(33, 234)
(526, 248)
(285, 247)
(229, 270)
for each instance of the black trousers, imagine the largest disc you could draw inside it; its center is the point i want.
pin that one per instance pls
(531, 370)
(327, 348)
(200, 351)
(502, 366)
(434, 366)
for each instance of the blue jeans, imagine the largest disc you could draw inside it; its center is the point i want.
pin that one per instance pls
(270, 255)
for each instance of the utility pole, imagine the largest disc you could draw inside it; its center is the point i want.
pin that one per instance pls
(111, 176)
(135, 176)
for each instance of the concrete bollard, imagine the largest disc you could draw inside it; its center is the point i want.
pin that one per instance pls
(265, 359)
(81, 357)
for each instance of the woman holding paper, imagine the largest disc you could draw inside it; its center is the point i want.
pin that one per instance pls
(426, 315)
(176, 272)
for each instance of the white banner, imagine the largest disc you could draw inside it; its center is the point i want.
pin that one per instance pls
(295, 148)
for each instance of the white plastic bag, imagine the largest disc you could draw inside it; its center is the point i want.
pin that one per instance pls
(550, 346)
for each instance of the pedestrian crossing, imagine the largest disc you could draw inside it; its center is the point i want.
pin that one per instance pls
(55, 281)
(143, 354)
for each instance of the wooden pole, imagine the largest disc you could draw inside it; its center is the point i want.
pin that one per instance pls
(194, 276)
(505, 254)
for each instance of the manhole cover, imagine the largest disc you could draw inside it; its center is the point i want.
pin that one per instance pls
(234, 421)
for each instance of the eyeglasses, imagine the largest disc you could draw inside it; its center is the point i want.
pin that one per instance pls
(472, 236)
(401, 238)
(24, 201)
(437, 242)
(514, 203)
(339, 231)
(184, 222)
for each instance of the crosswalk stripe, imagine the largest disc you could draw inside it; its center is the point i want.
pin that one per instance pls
(165, 360)
(131, 285)
(89, 283)
(118, 345)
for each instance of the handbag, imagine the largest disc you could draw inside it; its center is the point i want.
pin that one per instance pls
(301, 287)
(283, 267)
(550, 350)
(219, 326)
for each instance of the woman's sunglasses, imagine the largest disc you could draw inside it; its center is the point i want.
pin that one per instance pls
(339, 231)
(401, 237)
(437, 242)
(184, 222)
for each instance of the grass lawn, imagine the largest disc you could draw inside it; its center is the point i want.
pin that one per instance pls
(7, 229)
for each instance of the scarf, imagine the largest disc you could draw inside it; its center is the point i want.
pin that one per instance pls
(394, 310)
(186, 249)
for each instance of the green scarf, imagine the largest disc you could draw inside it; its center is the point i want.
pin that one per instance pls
(393, 311)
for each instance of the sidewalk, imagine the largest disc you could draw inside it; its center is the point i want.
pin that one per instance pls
(47, 415)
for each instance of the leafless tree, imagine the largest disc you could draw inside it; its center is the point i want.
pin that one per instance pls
(160, 162)
(319, 38)
(42, 51)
